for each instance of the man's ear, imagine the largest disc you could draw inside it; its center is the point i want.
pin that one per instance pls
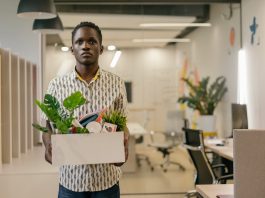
(71, 48)
(101, 49)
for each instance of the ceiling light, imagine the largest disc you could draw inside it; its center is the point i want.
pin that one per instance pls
(36, 9)
(175, 25)
(159, 40)
(115, 58)
(65, 49)
(48, 26)
(111, 47)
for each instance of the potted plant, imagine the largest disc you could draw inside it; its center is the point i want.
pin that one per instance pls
(205, 98)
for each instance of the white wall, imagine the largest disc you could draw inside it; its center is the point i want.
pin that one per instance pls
(153, 73)
(212, 55)
(16, 33)
(255, 61)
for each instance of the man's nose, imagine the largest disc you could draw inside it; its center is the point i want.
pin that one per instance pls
(86, 45)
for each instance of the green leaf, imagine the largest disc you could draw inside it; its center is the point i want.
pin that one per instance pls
(81, 130)
(51, 102)
(50, 112)
(62, 127)
(58, 115)
(74, 101)
(40, 128)
(202, 97)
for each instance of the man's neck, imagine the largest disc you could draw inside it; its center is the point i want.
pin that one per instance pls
(87, 72)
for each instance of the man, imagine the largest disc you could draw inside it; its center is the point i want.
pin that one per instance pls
(103, 90)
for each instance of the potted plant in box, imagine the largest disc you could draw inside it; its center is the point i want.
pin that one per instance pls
(205, 98)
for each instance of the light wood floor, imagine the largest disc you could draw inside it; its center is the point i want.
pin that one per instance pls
(31, 177)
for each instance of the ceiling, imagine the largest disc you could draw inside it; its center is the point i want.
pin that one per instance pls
(120, 20)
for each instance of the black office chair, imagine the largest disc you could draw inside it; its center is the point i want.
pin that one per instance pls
(205, 173)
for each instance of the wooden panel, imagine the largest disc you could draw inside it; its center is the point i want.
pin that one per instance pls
(22, 87)
(15, 106)
(0, 113)
(29, 105)
(36, 133)
(6, 107)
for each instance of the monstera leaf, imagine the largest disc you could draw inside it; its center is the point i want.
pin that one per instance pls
(56, 114)
(74, 101)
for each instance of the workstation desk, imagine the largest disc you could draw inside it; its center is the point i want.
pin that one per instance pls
(135, 129)
(216, 190)
(225, 151)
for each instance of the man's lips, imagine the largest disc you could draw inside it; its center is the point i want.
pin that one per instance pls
(86, 54)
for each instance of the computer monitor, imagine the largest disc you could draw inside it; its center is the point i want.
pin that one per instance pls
(239, 116)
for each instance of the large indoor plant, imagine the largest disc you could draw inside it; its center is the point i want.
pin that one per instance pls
(204, 97)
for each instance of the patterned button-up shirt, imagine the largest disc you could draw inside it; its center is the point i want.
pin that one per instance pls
(105, 91)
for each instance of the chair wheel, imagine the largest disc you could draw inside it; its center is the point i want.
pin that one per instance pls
(152, 169)
(165, 170)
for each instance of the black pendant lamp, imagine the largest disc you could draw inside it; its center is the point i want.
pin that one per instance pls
(48, 26)
(36, 9)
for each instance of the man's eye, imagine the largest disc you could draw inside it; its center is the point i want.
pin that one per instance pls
(79, 42)
(92, 42)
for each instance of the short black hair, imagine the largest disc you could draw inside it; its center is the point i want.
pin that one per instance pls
(89, 25)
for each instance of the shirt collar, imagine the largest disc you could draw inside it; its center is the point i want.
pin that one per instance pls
(75, 75)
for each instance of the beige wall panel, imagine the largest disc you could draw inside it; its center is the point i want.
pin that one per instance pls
(6, 107)
(15, 106)
(36, 133)
(0, 113)
(23, 134)
(29, 105)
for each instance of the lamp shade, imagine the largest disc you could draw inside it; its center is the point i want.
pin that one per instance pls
(48, 26)
(36, 9)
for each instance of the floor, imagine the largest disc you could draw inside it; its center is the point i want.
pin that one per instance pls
(30, 177)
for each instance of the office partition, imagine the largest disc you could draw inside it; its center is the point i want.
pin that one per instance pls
(18, 89)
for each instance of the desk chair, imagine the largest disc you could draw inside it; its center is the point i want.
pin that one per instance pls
(172, 137)
(141, 152)
(166, 147)
(204, 171)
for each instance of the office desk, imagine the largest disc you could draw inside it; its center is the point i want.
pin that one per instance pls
(212, 191)
(134, 129)
(224, 151)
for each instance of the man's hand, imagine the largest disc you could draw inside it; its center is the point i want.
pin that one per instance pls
(126, 146)
(48, 153)
(46, 138)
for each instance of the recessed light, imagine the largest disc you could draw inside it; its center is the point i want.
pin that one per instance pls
(65, 49)
(111, 47)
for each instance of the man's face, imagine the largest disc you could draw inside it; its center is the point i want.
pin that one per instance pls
(86, 46)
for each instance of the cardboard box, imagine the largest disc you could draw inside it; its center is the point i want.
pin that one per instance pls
(91, 148)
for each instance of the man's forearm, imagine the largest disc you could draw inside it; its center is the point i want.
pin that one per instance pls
(46, 137)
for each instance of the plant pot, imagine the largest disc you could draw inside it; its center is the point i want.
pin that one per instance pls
(207, 123)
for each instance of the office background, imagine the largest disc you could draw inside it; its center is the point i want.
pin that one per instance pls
(210, 53)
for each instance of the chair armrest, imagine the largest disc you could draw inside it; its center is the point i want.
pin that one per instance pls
(193, 148)
(222, 166)
(225, 178)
